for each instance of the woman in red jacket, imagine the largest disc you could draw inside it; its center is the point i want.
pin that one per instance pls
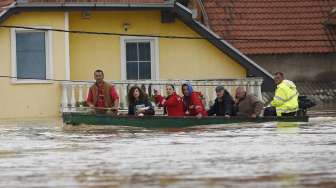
(173, 102)
(193, 102)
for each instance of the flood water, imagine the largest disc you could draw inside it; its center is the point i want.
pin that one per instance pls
(43, 154)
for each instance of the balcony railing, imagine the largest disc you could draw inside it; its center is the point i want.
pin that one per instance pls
(75, 93)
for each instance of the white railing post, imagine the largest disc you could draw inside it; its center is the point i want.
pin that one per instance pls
(214, 94)
(195, 85)
(161, 89)
(258, 89)
(64, 106)
(73, 97)
(146, 88)
(177, 88)
(80, 95)
(124, 98)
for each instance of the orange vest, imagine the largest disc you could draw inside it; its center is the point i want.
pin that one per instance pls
(107, 97)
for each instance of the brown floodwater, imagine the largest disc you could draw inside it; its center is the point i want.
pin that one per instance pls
(44, 154)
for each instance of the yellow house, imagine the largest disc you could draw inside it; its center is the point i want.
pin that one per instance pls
(129, 41)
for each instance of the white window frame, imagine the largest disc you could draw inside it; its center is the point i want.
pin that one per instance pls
(48, 52)
(154, 45)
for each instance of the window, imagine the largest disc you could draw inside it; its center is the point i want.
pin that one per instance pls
(139, 59)
(31, 55)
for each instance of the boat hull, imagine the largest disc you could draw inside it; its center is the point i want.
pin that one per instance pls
(166, 122)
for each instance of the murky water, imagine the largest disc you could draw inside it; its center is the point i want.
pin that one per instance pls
(42, 154)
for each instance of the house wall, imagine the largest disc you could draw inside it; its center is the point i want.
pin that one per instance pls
(31, 100)
(300, 67)
(178, 58)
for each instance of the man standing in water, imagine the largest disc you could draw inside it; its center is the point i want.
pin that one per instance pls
(285, 101)
(102, 95)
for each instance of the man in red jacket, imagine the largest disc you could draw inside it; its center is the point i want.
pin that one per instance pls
(193, 102)
(173, 102)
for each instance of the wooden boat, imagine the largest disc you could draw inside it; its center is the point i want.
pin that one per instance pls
(75, 118)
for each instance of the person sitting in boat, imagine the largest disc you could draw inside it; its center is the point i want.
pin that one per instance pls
(223, 105)
(102, 96)
(139, 103)
(173, 103)
(246, 104)
(192, 100)
(285, 101)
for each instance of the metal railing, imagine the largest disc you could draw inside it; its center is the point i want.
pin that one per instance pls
(74, 94)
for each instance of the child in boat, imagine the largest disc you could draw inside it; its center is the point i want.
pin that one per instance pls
(139, 104)
(173, 103)
(192, 100)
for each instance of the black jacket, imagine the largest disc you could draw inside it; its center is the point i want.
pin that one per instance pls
(225, 107)
(132, 107)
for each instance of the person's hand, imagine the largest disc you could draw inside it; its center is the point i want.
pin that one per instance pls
(163, 101)
(227, 115)
(191, 107)
(187, 113)
(253, 115)
(91, 106)
(199, 115)
(140, 114)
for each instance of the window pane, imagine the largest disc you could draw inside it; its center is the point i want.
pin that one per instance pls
(132, 70)
(145, 70)
(30, 55)
(144, 51)
(131, 51)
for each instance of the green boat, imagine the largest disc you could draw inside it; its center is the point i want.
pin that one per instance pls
(75, 118)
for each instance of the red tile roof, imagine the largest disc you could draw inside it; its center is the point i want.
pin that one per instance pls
(96, 1)
(274, 26)
(4, 4)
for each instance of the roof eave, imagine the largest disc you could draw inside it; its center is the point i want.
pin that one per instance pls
(168, 4)
(18, 7)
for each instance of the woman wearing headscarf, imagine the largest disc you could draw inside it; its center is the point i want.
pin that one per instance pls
(192, 100)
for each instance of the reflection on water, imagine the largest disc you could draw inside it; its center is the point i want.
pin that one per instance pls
(43, 154)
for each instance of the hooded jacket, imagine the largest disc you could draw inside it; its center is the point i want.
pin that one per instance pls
(193, 103)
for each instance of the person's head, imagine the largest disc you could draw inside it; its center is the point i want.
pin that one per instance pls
(135, 93)
(220, 91)
(156, 90)
(186, 89)
(278, 77)
(170, 89)
(98, 76)
(240, 92)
